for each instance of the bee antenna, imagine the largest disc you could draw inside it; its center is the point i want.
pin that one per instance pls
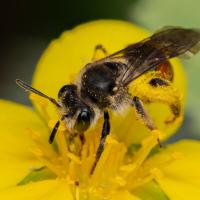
(28, 88)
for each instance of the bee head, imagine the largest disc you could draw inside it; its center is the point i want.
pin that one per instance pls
(78, 115)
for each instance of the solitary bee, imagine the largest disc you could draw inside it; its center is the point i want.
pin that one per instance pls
(104, 84)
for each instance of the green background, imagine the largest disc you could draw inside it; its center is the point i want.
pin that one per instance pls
(27, 27)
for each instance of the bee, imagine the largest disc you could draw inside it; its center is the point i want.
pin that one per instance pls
(103, 84)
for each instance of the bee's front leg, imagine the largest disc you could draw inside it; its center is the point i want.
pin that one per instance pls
(99, 52)
(105, 132)
(142, 113)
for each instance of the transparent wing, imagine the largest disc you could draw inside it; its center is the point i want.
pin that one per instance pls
(165, 44)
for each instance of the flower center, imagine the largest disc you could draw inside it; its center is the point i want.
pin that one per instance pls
(118, 167)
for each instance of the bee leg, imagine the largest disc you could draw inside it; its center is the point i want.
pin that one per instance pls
(156, 89)
(137, 103)
(143, 113)
(54, 131)
(176, 111)
(155, 82)
(99, 52)
(82, 138)
(105, 132)
(169, 96)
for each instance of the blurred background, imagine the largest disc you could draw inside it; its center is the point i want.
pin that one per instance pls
(27, 27)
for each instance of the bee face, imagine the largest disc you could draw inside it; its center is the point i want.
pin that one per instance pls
(78, 115)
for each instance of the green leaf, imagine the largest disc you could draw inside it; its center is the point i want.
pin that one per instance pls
(42, 173)
(150, 191)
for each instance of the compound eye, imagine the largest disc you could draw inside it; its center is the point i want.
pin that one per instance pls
(62, 90)
(67, 89)
(83, 121)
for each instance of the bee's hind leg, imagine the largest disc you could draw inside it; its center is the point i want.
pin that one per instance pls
(99, 52)
(154, 88)
(167, 95)
(142, 113)
(105, 132)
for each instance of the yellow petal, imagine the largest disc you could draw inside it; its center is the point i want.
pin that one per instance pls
(66, 56)
(181, 179)
(15, 159)
(45, 190)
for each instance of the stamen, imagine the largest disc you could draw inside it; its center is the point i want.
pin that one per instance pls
(111, 159)
(139, 181)
(163, 161)
(147, 145)
(62, 148)
(45, 153)
(97, 174)
(120, 181)
(45, 148)
(134, 173)
(77, 193)
(73, 157)
(38, 153)
(157, 173)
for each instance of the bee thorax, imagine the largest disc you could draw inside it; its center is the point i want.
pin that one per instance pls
(98, 83)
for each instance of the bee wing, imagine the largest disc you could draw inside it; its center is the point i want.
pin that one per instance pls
(145, 55)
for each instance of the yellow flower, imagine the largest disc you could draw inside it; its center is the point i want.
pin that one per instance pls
(131, 166)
